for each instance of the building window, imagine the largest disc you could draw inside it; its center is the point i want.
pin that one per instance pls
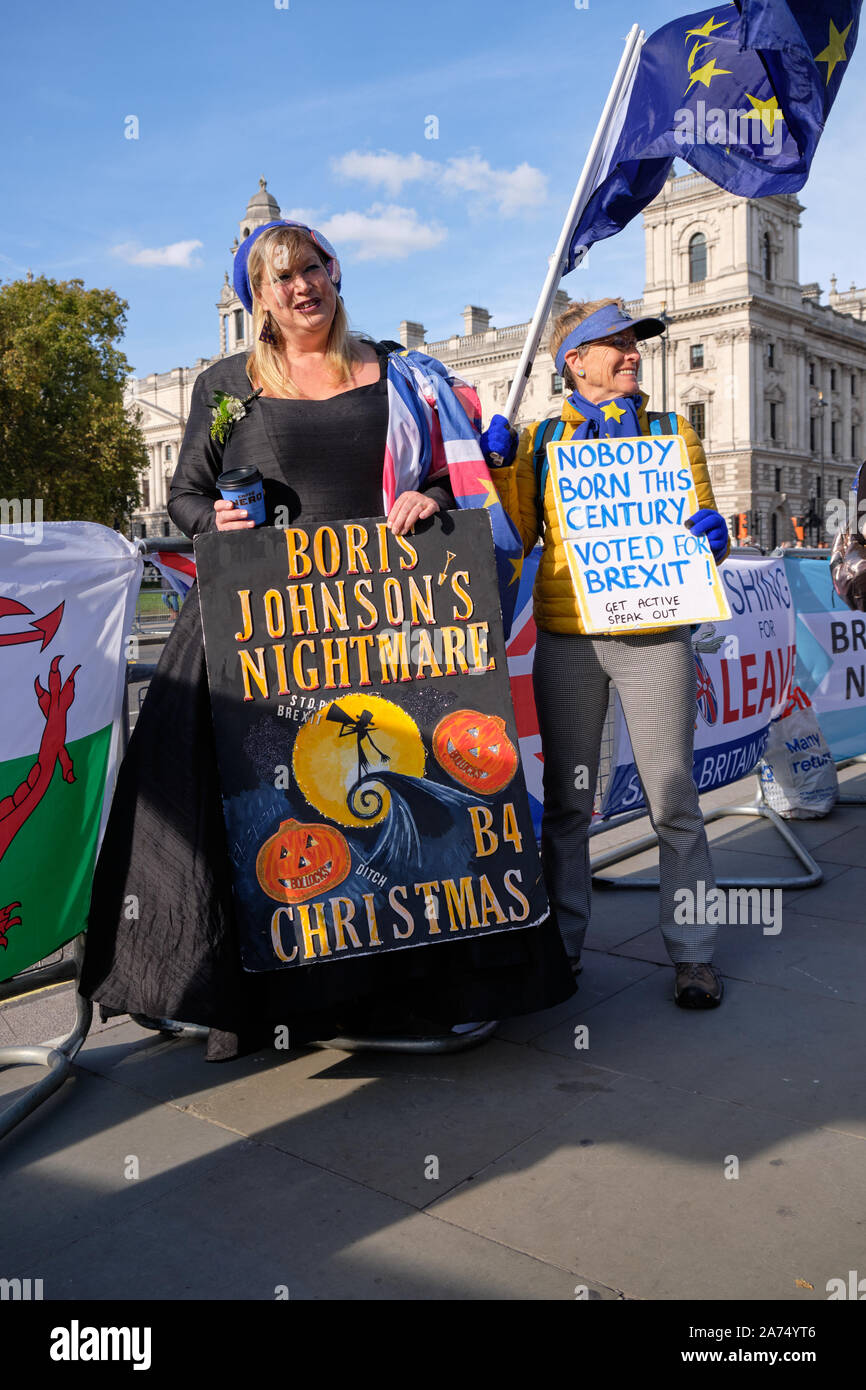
(853, 384)
(774, 420)
(771, 354)
(853, 441)
(168, 453)
(698, 418)
(818, 486)
(166, 528)
(239, 325)
(834, 437)
(813, 433)
(832, 378)
(768, 257)
(777, 479)
(145, 494)
(838, 487)
(697, 354)
(811, 373)
(556, 384)
(697, 258)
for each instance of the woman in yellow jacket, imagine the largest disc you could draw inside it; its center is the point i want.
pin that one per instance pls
(595, 347)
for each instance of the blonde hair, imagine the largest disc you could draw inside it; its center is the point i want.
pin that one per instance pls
(571, 316)
(287, 248)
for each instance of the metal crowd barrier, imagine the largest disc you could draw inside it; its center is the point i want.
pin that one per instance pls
(813, 875)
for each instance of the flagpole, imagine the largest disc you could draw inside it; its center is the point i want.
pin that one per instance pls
(582, 193)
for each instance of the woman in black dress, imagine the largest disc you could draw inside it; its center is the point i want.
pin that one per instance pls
(162, 938)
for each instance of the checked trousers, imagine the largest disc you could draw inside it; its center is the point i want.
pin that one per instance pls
(654, 674)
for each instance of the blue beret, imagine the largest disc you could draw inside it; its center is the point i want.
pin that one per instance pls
(242, 255)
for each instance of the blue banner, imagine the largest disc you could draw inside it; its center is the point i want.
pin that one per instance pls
(831, 656)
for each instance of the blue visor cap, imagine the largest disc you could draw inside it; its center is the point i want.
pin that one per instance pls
(242, 255)
(606, 323)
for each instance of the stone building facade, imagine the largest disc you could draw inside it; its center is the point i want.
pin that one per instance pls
(772, 379)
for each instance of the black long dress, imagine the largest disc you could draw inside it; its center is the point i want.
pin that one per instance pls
(162, 937)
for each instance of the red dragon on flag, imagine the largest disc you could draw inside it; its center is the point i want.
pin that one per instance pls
(54, 704)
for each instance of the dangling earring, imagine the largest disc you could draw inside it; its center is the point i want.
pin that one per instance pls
(267, 334)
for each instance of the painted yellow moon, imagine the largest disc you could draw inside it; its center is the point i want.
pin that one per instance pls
(351, 738)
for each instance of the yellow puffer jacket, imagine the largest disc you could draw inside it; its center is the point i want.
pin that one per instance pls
(554, 599)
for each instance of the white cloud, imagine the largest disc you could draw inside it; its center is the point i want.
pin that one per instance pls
(509, 190)
(385, 232)
(385, 168)
(308, 216)
(179, 254)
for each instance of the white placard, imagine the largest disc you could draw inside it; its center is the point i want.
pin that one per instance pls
(621, 505)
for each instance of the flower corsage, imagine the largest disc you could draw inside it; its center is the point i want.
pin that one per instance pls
(226, 410)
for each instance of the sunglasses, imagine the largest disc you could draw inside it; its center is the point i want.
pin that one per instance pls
(623, 342)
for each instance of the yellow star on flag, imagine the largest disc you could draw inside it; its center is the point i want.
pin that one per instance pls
(612, 411)
(706, 29)
(694, 53)
(835, 51)
(517, 566)
(706, 74)
(766, 111)
(487, 485)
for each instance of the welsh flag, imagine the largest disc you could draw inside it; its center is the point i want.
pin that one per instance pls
(67, 601)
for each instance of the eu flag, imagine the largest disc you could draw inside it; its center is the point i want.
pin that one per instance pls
(741, 92)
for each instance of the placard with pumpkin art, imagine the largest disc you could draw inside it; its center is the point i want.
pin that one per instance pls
(372, 789)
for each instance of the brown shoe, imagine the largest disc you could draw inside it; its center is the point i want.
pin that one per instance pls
(698, 986)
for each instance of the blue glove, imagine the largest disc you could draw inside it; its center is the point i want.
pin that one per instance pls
(498, 442)
(710, 524)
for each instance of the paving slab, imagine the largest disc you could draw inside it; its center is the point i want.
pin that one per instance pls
(68, 1169)
(781, 1051)
(603, 976)
(812, 954)
(617, 915)
(633, 1188)
(381, 1119)
(842, 895)
(263, 1225)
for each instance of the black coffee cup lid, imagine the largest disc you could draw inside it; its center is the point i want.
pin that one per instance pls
(237, 477)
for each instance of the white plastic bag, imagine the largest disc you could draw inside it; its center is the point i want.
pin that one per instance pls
(798, 774)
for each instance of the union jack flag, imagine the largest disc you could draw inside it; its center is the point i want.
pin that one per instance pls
(708, 703)
(433, 423)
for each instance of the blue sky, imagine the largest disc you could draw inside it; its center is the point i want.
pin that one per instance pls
(331, 104)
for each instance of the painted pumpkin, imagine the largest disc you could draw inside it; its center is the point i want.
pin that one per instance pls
(475, 750)
(300, 862)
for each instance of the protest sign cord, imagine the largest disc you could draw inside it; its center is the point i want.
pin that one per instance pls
(600, 150)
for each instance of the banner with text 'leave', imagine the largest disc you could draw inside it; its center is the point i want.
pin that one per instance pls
(622, 504)
(67, 600)
(744, 671)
